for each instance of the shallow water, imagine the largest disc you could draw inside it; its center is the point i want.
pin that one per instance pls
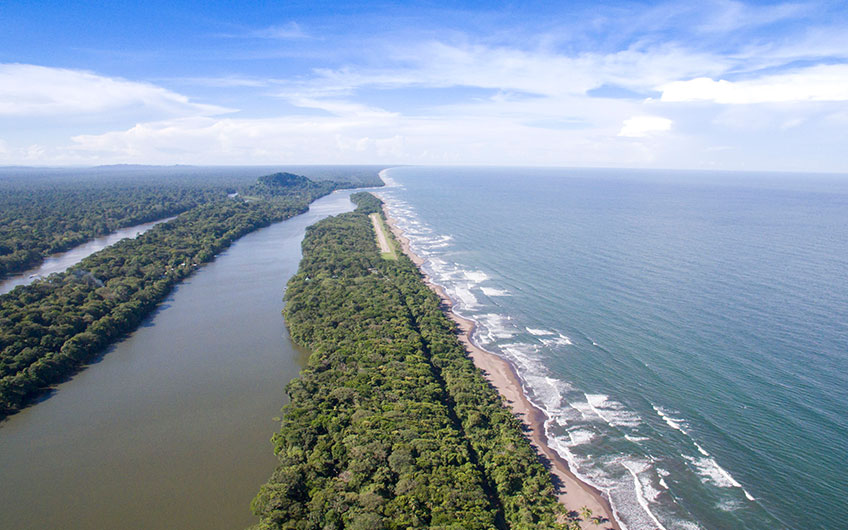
(171, 428)
(62, 261)
(685, 333)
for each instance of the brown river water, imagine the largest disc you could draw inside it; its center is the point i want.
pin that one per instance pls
(171, 427)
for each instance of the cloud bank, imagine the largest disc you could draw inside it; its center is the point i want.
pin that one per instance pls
(714, 85)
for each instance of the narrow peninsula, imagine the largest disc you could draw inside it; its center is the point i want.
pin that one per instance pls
(391, 425)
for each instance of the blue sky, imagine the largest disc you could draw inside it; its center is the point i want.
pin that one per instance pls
(710, 84)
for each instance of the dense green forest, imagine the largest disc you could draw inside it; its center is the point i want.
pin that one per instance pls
(49, 328)
(44, 211)
(35, 222)
(390, 425)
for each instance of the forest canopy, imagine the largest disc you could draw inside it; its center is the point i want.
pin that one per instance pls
(48, 329)
(390, 425)
(49, 210)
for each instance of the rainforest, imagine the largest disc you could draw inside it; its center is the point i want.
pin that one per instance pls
(391, 425)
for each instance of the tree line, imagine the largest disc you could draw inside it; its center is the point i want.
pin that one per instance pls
(48, 329)
(35, 223)
(45, 212)
(390, 425)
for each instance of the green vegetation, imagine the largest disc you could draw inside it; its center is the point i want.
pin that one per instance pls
(382, 231)
(391, 426)
(49, 210)
(50, 328)
(35, 223)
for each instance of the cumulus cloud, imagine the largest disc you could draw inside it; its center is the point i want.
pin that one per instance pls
(818, 83)
(354, 139)
(461, 99)
(641, 126)
(30, 90)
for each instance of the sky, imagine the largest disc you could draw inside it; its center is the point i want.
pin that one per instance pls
(713, 84)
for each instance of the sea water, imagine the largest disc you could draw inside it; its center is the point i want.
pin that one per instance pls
(686, 333)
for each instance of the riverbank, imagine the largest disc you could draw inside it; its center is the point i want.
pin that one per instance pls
(62, 261)
(169, 429)
(107, 295)
(572, 492)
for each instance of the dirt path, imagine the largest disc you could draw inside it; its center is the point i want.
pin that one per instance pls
(385, 248)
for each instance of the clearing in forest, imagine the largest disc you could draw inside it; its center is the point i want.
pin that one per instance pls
(386, 248)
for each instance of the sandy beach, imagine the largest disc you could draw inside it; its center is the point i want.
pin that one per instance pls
(572, 492)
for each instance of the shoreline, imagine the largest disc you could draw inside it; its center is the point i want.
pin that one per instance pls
(572, 492)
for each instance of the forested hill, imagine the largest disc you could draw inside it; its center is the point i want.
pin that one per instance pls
(290, 185)
(48, 329)
(390, 425)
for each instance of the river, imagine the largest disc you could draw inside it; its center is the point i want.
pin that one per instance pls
(62, 261)
(171, 427)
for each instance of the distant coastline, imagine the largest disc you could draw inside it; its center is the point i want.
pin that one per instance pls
(573, 492)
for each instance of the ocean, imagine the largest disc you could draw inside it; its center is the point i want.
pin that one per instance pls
(686, 333)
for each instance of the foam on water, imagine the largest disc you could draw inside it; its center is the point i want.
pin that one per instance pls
(549, 338)
(540, 332)
(475, 276)
(672, 422)
(560, 340)
(701, 449)
(612, 412)
(494, 327)
(575, 421)
(706, 467)
(491, 291)
(464, 296)
(709, 469)
(389, 181)
(580, 436)
(548, 393)
(634, 468)
(576, 465)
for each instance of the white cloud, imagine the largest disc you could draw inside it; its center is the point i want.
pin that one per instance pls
(340, 108)
(726, 16)
(438, 64)
(289, 31)
(641, 126)
(514, 103)
(817, 83)
(386, 138)
(30, 90)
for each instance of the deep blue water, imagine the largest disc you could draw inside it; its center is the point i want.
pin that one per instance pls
(686, 333)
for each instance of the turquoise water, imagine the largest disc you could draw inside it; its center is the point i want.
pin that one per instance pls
(686, 333)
